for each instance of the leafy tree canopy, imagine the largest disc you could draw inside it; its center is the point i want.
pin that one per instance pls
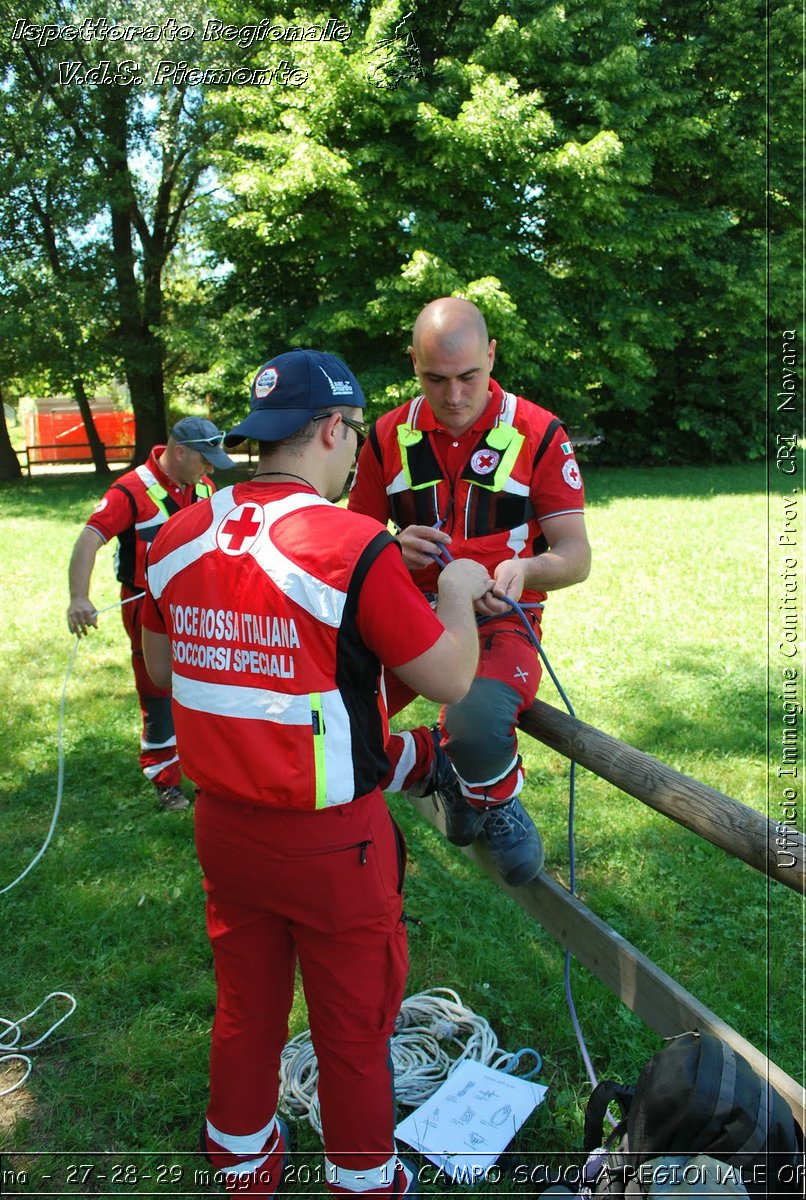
(592, 174)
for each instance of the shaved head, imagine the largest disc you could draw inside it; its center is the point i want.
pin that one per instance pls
(452, 357)
(452, 322)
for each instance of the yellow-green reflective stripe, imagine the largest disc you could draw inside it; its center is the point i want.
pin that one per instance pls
(407, 436)
(318, 729)
(503, 437)
(157, 493)
(203, 490)
(507, 463)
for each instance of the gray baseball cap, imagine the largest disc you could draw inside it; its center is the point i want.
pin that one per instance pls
(202, 435)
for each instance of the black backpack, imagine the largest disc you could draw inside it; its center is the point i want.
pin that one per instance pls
(696, 1097)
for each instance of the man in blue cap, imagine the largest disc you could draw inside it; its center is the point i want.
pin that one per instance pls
(268, 611)
(133, 509)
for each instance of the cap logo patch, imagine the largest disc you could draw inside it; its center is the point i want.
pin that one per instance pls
(266, 382)
(484, 462)
(571, 474)
(338, 387)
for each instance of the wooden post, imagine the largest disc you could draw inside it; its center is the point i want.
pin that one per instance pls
(649, 992)
(727, 823)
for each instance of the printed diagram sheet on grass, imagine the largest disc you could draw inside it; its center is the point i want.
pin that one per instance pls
(470, 1119)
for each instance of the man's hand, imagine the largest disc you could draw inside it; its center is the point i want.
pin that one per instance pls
(81, 615)
(82, 612)
(464, 579)
(420, 544)
(445, 672)
(509, 580)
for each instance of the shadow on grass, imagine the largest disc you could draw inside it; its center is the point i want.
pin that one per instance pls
(109, 825)
(40, 495)
(697, 706)
(37, 721)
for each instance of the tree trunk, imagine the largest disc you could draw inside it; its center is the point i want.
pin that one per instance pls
(9, 463)
(96, 445)
(139, 340)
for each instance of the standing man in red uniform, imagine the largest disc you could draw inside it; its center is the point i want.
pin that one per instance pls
(489, 476)
(133, 510)
(268, 607)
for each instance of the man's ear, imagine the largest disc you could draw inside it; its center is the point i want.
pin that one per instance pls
(413, 358)
(329, 428)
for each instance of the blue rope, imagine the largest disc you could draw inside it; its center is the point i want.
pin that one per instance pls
(509, 1069)
(527, 624)
(443, 557)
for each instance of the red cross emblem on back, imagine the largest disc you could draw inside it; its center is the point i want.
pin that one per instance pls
(238, 530)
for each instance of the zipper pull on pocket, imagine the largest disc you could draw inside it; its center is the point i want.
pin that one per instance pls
(362, 846)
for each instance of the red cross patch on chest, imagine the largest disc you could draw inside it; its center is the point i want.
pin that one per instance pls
(485, 461)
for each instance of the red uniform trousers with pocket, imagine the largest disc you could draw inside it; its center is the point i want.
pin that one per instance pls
(322, 888)
(480, 732)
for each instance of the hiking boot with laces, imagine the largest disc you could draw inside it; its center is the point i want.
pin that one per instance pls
(515, 845)
(172, 798)
(462, 822)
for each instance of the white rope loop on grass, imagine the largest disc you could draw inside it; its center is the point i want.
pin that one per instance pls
(7, 1058)
(13, 1031)
(427, 1024)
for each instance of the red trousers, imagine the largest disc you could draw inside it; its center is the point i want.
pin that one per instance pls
(479, 733)
(323, 888)
(159, 761)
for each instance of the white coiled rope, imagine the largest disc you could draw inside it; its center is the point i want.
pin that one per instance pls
(428, 1025)
(11, 1033)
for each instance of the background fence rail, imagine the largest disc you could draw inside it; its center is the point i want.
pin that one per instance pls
(727, 823)
(658, 999)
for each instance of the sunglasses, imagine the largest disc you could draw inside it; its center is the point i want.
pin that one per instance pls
(360, 427)
(218, 440)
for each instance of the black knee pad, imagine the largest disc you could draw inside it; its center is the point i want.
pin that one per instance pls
(481, 730)
(158, 722)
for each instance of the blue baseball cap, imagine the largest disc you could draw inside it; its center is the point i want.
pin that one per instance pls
(289, 389)
(202, 435)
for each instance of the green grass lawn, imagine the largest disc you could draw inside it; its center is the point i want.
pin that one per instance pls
(664, 647)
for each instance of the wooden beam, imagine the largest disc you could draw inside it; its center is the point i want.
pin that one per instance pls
(735, 827)
(649, 992)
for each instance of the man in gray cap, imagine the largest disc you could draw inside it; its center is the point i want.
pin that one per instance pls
(133, 509)
(268, 608)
